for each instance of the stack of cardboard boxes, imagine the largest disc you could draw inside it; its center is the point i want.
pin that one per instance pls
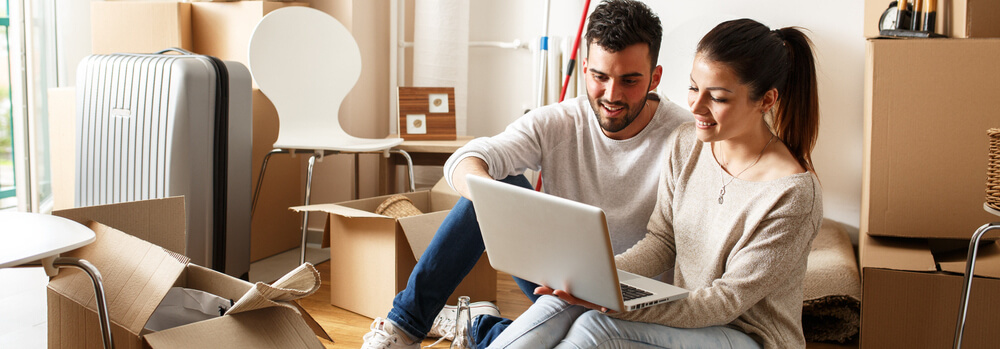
(928, 104)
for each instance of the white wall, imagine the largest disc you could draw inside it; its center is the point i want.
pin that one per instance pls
(499, 85)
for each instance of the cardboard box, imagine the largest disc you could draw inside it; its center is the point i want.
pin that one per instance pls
(137, 274)
(908, 303)
(928, 105)
(371, 255)
(139, 26)
(955, 18)
(223, 29)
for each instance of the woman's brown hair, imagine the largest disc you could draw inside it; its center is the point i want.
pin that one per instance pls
(781, 59)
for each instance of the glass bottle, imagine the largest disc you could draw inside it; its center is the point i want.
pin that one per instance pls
(463, 326)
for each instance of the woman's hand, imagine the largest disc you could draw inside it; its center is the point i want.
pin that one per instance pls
(569, 298)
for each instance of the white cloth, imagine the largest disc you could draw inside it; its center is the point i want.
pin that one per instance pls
(298, 283)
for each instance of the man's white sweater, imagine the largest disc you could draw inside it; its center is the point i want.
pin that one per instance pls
(580, 163)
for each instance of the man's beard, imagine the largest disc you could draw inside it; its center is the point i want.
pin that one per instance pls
(615, 125)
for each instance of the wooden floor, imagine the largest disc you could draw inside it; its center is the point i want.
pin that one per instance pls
(347, 328)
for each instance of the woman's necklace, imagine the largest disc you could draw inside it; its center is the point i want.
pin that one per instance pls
(722, 192)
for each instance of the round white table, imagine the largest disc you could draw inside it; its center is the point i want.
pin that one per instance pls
(30, 237)
(34, 239)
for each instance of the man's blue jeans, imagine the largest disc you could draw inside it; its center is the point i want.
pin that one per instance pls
(454, 250)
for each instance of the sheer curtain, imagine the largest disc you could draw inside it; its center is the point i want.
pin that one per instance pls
(31, 47)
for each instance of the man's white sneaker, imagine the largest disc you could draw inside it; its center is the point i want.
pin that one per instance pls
(384, 335)
(444, 323)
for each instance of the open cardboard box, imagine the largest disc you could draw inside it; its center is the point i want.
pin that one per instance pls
(136, 276)
(912, 289)
(371, 255)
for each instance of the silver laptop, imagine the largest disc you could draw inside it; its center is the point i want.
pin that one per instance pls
(561, 244)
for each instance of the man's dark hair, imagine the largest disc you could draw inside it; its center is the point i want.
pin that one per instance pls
(617, 24)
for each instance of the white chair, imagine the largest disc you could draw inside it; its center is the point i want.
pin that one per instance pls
(306, 62)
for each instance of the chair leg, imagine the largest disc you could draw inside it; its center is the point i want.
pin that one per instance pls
(409, 166)
(260, 179)
(95, 277)
(305, 214)
(970, 266)
(357, 180)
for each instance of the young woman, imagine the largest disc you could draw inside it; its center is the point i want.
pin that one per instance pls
(738, 206)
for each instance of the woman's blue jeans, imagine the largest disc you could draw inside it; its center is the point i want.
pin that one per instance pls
(454, 250)
(553, 323)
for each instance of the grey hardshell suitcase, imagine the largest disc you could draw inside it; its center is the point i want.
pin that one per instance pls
(159, 125)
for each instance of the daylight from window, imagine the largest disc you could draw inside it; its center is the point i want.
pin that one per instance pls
(7, 192)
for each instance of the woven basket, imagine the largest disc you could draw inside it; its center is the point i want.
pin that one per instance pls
(993, 172)
(397, 206)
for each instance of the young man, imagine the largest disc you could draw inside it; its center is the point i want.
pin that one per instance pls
(604, 150)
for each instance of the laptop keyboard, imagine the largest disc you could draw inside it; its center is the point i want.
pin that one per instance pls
(630, 293)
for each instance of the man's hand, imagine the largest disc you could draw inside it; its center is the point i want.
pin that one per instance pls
(569, 298)
(470, 165)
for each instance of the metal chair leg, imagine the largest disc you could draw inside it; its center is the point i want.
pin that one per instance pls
(970, 265)
(409, 166)
(357, 179)
(95, 277)
(260, 179)
(305, 214)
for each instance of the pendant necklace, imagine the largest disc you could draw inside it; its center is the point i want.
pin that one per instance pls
(722, 192)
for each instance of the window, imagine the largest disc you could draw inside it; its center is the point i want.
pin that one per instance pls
(27, 70)
(7, 180)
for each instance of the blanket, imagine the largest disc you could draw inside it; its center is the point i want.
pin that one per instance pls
(831, 309)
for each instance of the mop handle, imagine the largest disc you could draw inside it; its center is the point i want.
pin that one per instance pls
(569, 70)
(543, 53)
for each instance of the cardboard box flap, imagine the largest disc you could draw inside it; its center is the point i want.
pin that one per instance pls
(420, 199)
(987, 262)
(136, 276)
(896, 254)
(419, 230)
(274, 327)
(211, 281)
(338, 210)
(151, 220)
(315, 326)
(443, 197)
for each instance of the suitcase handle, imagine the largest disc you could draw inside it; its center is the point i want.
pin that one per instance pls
(175, 49)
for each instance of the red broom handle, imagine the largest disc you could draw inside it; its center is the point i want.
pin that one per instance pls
(576, 46)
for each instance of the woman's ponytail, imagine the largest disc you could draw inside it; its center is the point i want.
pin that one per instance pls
(796, 119)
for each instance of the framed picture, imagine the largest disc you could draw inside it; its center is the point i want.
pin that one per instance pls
(426, 113)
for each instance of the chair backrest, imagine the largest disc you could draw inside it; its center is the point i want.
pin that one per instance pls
(305, 62)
